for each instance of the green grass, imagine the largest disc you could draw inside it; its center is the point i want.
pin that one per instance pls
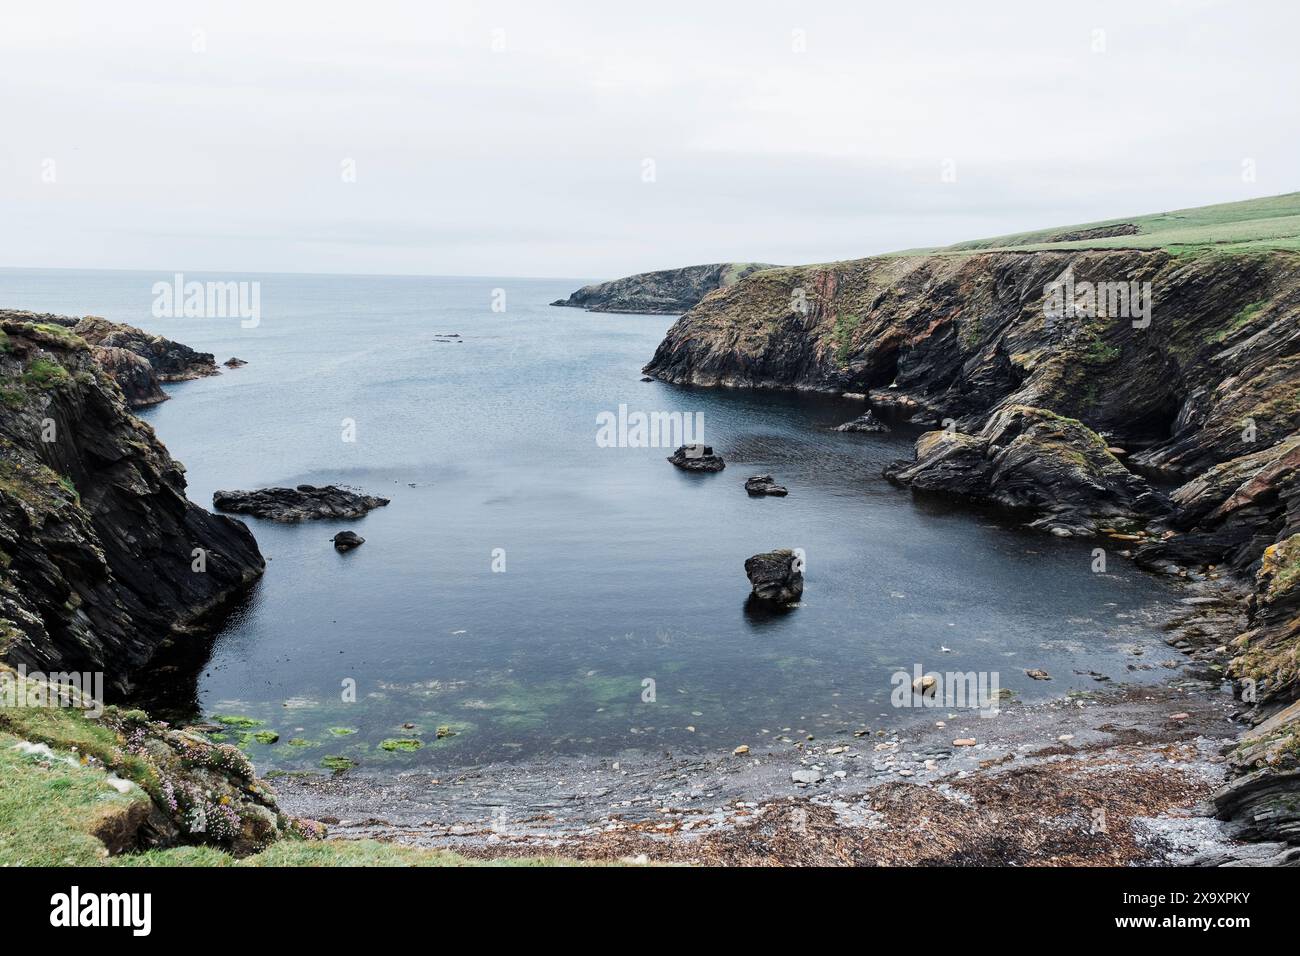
(48, 813)
(1271, 222)
(51, 808)
(43, 373)
(1239, 321)
(842, 336)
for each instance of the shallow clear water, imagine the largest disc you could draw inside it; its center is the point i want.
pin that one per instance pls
(618, 567)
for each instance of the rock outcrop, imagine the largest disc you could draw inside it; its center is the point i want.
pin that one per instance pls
(303, 503)
(760, 485)
(138, 361)
(1028, 459)
(103, 559)
(172, 361)
(697, 457)
(775, 577)
(665, 292)
(347, 540)
(866, 422)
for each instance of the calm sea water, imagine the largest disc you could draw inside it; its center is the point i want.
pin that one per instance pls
(619, 569)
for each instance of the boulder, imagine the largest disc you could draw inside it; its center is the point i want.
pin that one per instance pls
(697, 457)
(347, 540)
(776, 577)
(866, 422)
(760, 485)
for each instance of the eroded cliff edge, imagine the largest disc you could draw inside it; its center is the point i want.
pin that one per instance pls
(1083, 423)
(103, 559)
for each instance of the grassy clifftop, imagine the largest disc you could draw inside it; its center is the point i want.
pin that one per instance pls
(1271, 222)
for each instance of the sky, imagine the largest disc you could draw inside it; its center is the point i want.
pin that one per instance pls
(594, 140)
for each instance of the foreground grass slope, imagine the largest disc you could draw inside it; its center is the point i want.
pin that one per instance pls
(73, 792)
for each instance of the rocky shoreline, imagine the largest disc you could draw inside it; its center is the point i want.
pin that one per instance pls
(1176, 445)
(1175, 440)
(1125, 776)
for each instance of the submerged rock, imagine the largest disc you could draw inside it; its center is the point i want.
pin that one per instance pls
(303, 503)
(233, 362)
(776, 577)
(697, 457)
(760, 485)
(347, 540)
(866, 422)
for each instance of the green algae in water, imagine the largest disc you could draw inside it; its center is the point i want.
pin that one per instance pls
(231, 720)
(406, 744)
(266, 737)
(337, 763)
(342, 731)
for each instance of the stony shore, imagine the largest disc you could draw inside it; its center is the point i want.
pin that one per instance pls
(1114, 778)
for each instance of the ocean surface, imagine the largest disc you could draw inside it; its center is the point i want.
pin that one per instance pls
(531, 592)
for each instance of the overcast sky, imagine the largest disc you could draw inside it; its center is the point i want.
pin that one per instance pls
(512, 139)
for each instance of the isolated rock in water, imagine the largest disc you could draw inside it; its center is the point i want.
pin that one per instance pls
(347, 540)
(1038, 673)
(764, 485)
(776, 576)
(925, 685)
(233, 362)
(697, 457)
(866, 422)
(304, 503)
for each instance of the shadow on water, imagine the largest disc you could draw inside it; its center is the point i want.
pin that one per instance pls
(759, 613)
(168, 688)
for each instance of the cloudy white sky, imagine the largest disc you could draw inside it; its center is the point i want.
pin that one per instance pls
(501, 138)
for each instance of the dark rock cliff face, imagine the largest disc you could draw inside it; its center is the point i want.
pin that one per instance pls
(1065, 417)
(666, 292)
(102, 557)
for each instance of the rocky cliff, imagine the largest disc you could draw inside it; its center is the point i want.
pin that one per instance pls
(666, 292)
(1172, 431)
(136, 360)
(102, 558)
